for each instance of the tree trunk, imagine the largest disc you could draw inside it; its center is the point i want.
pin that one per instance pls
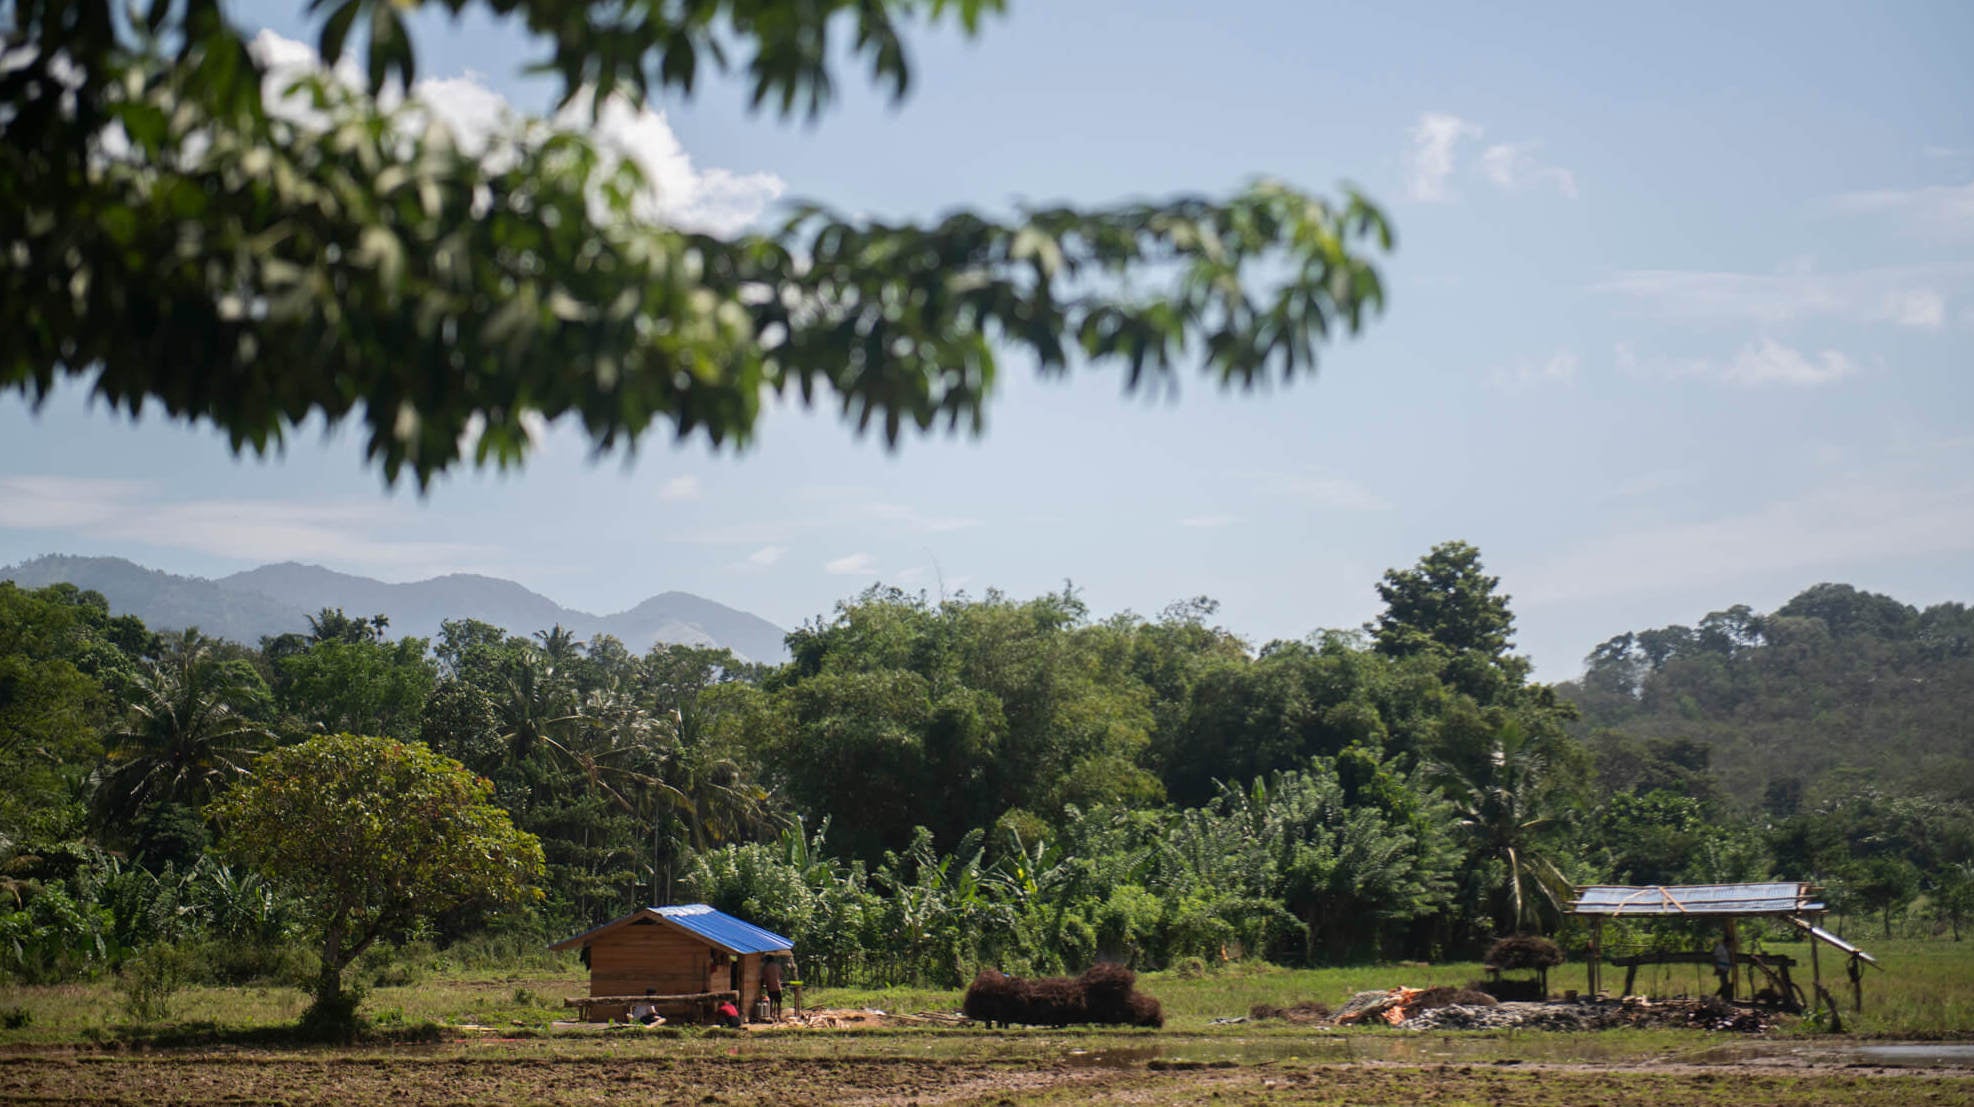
(329, 984)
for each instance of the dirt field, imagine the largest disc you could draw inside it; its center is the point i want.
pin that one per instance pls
(414, 1076)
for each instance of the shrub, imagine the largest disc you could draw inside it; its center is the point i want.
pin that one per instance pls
(149, 981)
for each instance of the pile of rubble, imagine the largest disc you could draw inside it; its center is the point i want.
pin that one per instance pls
(1462, 1009)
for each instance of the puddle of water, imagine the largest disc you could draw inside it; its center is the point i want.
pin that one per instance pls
(1918, 1055)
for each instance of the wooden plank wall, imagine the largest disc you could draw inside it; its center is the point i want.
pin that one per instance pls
(750, 983)
(632, 959)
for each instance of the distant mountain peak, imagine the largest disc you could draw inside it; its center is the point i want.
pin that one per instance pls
(278, 598)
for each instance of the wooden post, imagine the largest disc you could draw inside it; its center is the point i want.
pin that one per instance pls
(1816, 972)
(1733, 959)
(1596, 980)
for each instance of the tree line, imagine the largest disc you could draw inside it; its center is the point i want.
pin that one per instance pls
(927, 787)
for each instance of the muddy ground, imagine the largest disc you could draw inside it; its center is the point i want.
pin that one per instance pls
(449, 1074)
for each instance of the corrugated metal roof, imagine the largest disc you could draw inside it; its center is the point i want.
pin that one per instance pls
(1715, 900)
(724, 930)
(703, 921)
(1820, 933)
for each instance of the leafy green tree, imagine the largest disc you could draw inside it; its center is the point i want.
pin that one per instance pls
(373, 835)
(1446, 607)
(237, 263)
(195, 723)
(1499, 792)
(363, 684)
(51, 712)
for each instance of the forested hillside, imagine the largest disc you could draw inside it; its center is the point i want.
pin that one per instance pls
(1834, 689)
(927, 787)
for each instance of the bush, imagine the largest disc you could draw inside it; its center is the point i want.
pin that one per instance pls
(149, 981)
(234, 963)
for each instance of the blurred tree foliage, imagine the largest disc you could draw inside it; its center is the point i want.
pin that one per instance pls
(182, 234)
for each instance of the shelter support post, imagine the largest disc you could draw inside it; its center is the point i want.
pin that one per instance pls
(1596, 981)
(1733, 959)
(1816, 967)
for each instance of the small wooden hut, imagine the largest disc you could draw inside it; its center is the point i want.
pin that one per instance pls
(683, 960)
(1791, 901)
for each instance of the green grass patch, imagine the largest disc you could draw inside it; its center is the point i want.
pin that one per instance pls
(1926, 991)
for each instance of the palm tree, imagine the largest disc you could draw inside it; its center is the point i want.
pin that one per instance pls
(1496, 788)
(187, 735)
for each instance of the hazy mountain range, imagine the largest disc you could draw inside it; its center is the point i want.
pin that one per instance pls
(275, 599)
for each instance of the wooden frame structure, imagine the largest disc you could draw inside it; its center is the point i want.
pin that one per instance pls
(1791, 901)
(682, 960)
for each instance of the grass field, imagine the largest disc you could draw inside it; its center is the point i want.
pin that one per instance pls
(73, 1043)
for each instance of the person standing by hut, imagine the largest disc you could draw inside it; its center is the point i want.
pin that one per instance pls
(771, 984)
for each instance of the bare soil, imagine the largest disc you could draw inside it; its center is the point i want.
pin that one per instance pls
(448, 1074)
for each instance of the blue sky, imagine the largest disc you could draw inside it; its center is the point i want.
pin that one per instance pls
(1680, 318)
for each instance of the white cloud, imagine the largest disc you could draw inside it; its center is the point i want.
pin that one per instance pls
(1209, 521)
(1932, 209)
(1318, 490)
(1759, 363)
(679, 488)
(766, 556)
(1908, 296)
(718, 201)
(352, 533)
(1916, 307)
(1429, 166)
(1433, 161)
(1770, 362)
(1558, 368)
(63, 503)
(1513, 166)
(1853, 522)
(852, 565)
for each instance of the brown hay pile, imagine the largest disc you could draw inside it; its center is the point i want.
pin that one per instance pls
(1523, 951)
(1446, 996)
(994, 997)
(1104, 994)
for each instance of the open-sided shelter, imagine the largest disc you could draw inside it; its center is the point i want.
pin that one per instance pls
(682, 959)
(1791, 901)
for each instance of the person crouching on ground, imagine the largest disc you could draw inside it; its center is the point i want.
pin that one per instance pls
(729, 1015)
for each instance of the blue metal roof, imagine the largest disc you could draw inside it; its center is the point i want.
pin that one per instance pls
(1713, 900)
(702, 921)
(724, 930)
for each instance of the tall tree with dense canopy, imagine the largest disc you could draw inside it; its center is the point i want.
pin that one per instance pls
(1498, 789)
(373, 835)
(172, 232)
(194, 725)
